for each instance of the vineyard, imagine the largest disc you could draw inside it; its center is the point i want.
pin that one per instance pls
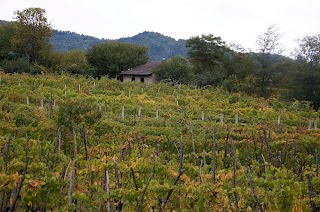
(76, 143)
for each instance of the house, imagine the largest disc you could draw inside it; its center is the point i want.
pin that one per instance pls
(143, 73)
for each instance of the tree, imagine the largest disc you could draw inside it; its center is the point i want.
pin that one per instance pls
(269, 45)
(241, 67)
(306, 83)
(32, 37)
(177, 70)
(75, 62)
(111, 58)
(309, 50)
(207, 55)
(53, 61)
(7, 31)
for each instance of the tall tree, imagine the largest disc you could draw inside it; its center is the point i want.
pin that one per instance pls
(269, 45)
(306, 85)
(241, 68)
(7, 31)
(207, 55)
(32, 37)
(111, 58)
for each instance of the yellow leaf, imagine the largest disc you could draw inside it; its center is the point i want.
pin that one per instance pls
(115, 158)
(32, 184)
(16, 178)
(185, 177)
(133, 164)
(57, 174)
(30, 204)
(93, 168)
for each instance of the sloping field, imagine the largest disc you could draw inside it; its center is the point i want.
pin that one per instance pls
(71, 143)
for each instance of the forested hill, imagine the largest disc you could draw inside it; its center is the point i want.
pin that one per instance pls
(3, 22)
(66, 40)
(159, 46)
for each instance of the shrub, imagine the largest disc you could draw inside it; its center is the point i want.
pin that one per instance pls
(16, 66)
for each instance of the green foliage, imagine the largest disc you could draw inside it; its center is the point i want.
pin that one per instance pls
(53, 62)
(306, 78)
(207, 54)
(31, 39)
(111, 58)
(74, 62)
(16, 66)
(67, 41)
(269, 47)
(159, 46)
(88, 122)
(7, 31)
(218, 64)
(177, 69)
(26, 117)
(76, 112)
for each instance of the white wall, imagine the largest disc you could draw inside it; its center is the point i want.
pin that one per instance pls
(147, 79)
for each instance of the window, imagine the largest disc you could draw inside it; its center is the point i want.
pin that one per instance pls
(133, 79)
(142, 79)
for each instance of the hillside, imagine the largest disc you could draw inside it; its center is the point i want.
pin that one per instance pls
(74, 143)
(65, 41)
(159, 46)
(3, 22)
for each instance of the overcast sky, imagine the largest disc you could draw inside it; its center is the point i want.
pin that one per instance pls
(236, 21)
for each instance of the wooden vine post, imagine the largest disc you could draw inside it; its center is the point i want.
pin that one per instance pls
(221, 117)
(226, 149)
(214, 157)
(59, 142)
(139, 110)
(71, 183)
(85, 141)
(311, 194)
(122, 113)
(181, 171)
(310, 123)
(27, 99)
(202, 113)
(278, 123)
(75, 145)
(41, 103)
(236, 119)
(157, 112)
(316, 157)
(234, 172)
(12, 208)
(107, 191)
(193, 147)
(251, 183)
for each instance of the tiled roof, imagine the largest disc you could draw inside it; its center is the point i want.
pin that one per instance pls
(142, 70)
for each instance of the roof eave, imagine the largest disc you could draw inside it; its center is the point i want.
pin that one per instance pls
(133, 74)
